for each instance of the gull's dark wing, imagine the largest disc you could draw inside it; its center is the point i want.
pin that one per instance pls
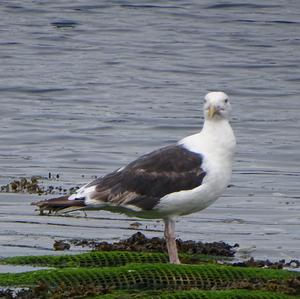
(144, 181)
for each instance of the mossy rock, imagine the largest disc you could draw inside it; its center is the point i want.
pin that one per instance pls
(104, 259)
(196, 294)
(112, 275)
(72, 282)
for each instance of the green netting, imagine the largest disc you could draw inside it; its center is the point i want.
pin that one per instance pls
(196, 294)
(90, 259)
(101, 259)
(156, 276)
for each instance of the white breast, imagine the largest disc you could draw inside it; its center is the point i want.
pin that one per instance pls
(216, 144)
(199, 198)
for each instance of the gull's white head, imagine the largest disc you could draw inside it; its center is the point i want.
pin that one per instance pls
(216, 105)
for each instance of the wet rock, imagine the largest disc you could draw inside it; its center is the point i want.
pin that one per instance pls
(135, 225)
(268, 264)
(139, 242)
(23, 185)
(104, 246)
(37, 185)
(61, 246)
(214, 248)
(293, 264)
(16, 293)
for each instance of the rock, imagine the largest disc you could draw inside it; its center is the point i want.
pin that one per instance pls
(61, 246)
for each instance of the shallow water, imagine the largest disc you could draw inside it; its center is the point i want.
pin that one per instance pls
(87, 87)
(18, 269)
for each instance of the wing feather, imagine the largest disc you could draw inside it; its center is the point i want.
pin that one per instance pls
(144, 181)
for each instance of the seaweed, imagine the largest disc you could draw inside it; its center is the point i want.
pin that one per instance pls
(72, 282)
(195, 294)
(139, 242)
(37, 185)
(104, 259)
(24, 185)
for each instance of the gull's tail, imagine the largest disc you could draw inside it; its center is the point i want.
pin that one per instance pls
(59, 205)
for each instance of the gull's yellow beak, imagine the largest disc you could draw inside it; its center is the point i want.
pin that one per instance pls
(212, 111)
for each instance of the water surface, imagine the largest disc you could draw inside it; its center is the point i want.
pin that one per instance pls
(87, 86)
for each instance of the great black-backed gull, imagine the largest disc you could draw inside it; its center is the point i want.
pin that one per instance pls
(172, 181)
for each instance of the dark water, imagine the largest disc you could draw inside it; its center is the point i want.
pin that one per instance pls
(86, 86)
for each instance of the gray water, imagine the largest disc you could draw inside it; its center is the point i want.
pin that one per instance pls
(87, 86)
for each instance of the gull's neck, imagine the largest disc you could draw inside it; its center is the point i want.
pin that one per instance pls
(216, 128)
(216, 135)
(218, 132)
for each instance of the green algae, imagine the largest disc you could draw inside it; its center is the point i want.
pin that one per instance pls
(196, 294)
(105, 259)
(68, 281)
(121, 274)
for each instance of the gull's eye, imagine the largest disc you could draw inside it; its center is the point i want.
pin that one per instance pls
(226, 101)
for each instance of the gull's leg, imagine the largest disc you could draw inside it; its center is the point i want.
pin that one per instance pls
(171, 240)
